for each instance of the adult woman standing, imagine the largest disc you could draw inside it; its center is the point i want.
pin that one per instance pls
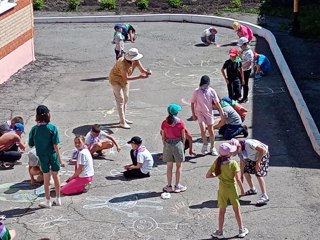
(120, 75)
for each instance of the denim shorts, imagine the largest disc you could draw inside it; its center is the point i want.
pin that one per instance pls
(173, 150)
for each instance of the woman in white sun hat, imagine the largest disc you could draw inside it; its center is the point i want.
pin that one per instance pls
(119, 78)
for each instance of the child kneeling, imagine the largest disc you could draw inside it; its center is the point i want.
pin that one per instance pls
(80, 181)
(142, 160)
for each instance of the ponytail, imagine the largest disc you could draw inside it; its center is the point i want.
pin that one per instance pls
(170, 119)
(217, 169)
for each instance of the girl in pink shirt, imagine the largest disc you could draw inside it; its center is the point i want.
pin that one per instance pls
(202, 103)
(173, 133)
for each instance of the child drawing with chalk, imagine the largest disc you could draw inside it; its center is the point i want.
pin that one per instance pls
(228, 172)
(142, 160)
(45, 137)
(81, 180)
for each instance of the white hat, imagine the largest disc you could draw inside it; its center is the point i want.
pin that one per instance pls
(242, 41)
(133, 54)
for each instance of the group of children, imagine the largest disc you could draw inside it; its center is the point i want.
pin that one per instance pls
(123, 32)
(237, 70)
(45, 159)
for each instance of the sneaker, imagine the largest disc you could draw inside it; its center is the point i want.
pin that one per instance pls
(179, 188)
(245, 131)
(243, 232)
(46, 204)
(218, 234)
(214, 152)
(57, 202)
(125, 125)
(263, 200)
(128, 121)
(87, 187)
(167, 189)
(243, 100)
(204, 149)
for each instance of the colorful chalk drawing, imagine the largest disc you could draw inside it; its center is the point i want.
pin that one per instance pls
(17, 192)
(182, 209)
(143, 227)
(48, 222)
(124, 202)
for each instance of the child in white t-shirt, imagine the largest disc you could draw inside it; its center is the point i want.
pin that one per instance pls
(142, 160)
(81, 180)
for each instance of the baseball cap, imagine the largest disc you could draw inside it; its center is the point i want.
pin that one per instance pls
(42, 109)
(135, 140)
(174, 108)
(19, 127)
(233, 52)
(242, 41)
(234, 142)
(226, 149)
(117, 26)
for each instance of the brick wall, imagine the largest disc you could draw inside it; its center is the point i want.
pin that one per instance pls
(16, 30)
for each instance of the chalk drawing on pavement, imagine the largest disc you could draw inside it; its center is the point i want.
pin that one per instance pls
(182, 209)
(125, 203)
(17, 192)
(143, 227)
(48, 222)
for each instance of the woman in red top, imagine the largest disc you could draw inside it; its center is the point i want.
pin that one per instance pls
(173, 131)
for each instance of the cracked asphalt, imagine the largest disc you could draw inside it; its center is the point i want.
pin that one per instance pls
(69, 76)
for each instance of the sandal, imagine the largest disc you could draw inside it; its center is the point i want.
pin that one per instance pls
(250, 192)
(263, 200)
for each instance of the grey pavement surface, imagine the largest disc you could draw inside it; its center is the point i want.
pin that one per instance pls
(69, 77)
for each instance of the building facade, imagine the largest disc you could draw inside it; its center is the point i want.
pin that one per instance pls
(16, 36)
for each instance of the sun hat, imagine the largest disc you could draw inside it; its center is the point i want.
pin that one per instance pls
(135, 140)
(42, 109)
(133, 54)
(226, 149)
(174, 108)
(117, 26)
(205, 80)
(19, 127)
(233, 52)
(236, 26)
(242, 41)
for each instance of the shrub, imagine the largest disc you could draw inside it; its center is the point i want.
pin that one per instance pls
(175, 3)
(38, 4)
(143, 4)
(108, 4)
(236, 3)
(73, 4)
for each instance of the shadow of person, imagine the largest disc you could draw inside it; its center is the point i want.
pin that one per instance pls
(214, 204)
(83, 130)
(19, 212)
(137, 196)
(24, 185)
(231, 44)
(201, 45)
(96, 79)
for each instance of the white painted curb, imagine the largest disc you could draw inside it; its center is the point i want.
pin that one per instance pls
(295, 93)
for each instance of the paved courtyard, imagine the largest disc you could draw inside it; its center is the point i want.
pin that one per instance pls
(70, 77)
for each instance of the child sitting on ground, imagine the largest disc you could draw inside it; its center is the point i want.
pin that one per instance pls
(242, 111)
(97, 140)
(81, 180)
(34, 167)
(142, 160)
(209, 36)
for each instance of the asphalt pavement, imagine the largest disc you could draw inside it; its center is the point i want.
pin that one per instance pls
(70, 77)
